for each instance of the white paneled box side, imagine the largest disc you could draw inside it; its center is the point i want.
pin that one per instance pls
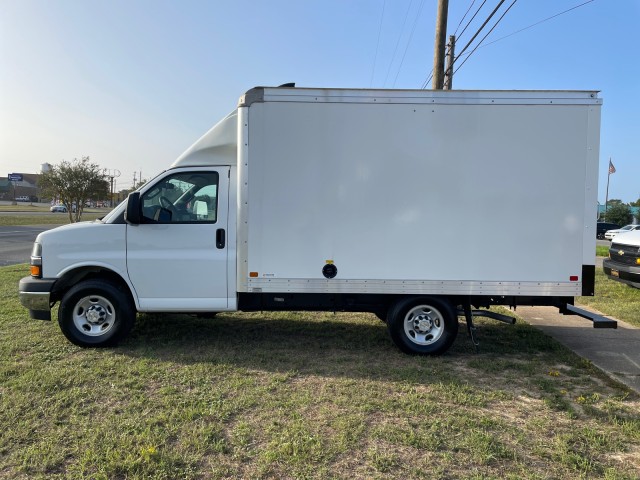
(464, 194)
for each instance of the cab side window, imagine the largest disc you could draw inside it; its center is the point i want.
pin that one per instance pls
(185, 197)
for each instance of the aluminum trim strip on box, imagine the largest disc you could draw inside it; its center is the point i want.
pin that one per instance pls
(485, 97)
(421, 287)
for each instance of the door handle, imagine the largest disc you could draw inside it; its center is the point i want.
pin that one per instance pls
(220, 238)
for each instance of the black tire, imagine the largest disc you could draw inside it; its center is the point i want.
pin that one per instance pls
(96, 313)
(423, 325)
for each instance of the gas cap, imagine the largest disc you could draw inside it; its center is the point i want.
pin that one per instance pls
(329, 270)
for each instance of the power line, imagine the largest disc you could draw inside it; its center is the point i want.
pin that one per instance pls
(426, 82)
(415, 22)
(481, 27)
(395, 50)
(375, 58)
(537, 23)
(488, 33)
(471, 20)
(464, 16)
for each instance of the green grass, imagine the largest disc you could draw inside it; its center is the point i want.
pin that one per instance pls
(302, 395)
(52, 219)
(30, 207)
(615, 299)
(23, 207)
(602, 251)
(8, 217)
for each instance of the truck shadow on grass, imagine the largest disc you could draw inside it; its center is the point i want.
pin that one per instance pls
(351, 345)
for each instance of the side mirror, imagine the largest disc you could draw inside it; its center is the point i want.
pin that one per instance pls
(133, 213)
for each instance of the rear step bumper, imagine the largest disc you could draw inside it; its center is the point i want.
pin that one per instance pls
(598, 320)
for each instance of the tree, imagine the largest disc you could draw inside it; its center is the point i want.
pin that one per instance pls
(74, 183)
(122, 194)
(619, 213)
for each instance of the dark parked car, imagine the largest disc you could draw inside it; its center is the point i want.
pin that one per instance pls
(603, 227)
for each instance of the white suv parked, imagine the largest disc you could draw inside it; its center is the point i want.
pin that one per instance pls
(627, 228)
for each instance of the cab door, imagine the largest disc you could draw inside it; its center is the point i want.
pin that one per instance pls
(177, 256)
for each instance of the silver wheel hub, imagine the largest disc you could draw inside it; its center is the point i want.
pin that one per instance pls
(94, 315)
(424, 325)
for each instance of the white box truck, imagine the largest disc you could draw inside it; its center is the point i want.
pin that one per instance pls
(411, 204)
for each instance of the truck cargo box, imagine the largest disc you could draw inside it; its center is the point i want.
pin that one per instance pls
(421, 192)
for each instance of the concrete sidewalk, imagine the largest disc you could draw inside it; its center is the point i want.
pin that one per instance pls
(616, 352)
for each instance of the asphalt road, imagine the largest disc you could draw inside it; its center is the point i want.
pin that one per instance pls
(16, 242)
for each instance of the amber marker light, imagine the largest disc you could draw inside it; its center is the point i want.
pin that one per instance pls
(36, 270)
(253, 274)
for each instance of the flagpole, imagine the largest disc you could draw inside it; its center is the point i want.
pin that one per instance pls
(611, 170)
(606, 201)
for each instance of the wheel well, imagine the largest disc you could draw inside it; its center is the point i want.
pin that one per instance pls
(71, 278)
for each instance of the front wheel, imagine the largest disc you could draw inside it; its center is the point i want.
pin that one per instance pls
(423, 326)
(96, 313)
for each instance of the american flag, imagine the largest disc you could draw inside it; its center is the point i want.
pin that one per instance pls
(612, 169)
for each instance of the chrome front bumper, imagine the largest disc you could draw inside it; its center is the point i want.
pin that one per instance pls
(35, 295)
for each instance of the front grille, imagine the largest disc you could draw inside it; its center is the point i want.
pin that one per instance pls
(624, 254)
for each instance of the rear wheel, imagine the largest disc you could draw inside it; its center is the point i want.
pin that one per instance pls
(96, 313)
(424, 326)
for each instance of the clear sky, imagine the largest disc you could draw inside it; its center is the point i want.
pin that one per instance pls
(132, 83)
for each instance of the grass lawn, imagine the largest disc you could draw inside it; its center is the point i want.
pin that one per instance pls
(615, 299)
(302, 395)
(7, 217)
(52, 219)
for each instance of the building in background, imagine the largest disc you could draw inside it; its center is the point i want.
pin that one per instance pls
(27, 187)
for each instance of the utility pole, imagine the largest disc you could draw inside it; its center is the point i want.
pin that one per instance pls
(111, 174)
(441, 37)
(448, 75)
